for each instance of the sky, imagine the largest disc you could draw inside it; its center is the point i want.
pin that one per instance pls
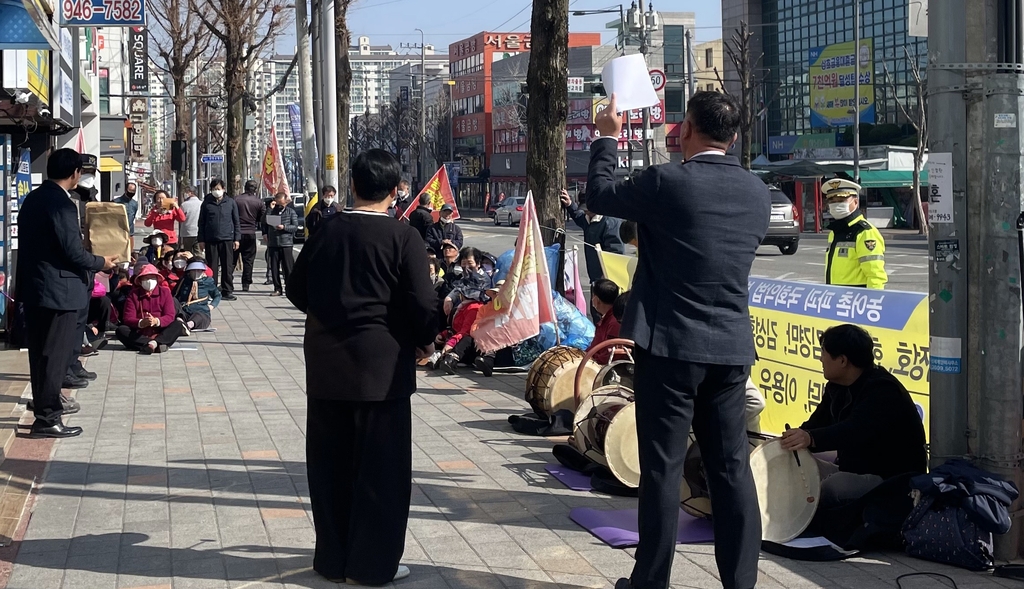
(393, 22)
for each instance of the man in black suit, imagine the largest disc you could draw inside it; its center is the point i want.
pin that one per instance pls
(53, 282)
(701, 223)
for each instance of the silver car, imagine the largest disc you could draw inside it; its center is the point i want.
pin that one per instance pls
(784, 229)
(510, 211)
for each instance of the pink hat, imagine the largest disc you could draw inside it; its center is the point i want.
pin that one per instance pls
(148, 270)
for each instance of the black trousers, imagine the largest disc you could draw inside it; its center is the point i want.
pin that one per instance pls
(99, 313)
(359, 468)
(221, 256)
(199, 319)
(83, 334)
(51, 335)
(134, 340)
(672, 395)
(280, 258)
(247, 251)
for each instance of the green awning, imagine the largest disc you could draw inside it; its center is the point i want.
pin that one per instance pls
(891, 178)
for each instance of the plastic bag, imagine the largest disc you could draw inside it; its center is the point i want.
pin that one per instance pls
(504, 263)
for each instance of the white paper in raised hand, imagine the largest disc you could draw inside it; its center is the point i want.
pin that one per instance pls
(628, 78)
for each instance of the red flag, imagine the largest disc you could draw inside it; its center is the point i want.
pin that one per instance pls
(274, 177)
(524, 300)
(80, 142)
(440, 192)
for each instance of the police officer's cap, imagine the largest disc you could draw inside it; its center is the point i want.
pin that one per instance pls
(90, 163)
(839, 187)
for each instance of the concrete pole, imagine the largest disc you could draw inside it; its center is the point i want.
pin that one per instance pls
(306, 100)
(316, 43)
(194, 145)
(644, 48)
(856, 91)
(691, 64)
(421, 157)
(330, 97)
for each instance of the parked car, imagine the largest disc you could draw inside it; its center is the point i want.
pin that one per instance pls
(299, 202)
(494, 204)
(783, 229)
(510, 211)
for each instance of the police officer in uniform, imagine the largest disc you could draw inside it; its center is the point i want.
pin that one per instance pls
(856, 250)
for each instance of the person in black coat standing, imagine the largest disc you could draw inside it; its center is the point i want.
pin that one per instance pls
(363, 283)
(597, 230)
(54, 281)
(422, 218)
(325, 207)
(445, 230)
(280, 240)
(701, 223)
(220, 232)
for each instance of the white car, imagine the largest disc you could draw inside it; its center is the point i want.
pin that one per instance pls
(510, 211)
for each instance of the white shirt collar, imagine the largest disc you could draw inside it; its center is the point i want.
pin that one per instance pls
(707, 152)
(374, 213)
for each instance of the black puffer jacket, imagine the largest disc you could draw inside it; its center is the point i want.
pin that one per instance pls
(283, 237)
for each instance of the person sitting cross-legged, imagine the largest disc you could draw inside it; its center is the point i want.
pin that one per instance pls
(198, 295)
(866, 416)
(149, 324)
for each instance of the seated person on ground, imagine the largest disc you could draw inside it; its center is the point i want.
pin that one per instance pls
(603, 295)
(472, 281)
(866, 416)
(198, 295)
(156, 249)
(450, 269)
(166, 268)
(100, 307)
(459, 346)
(149, 324)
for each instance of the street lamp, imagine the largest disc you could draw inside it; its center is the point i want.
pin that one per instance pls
(451, 119)
(423, 107)
(622, 21)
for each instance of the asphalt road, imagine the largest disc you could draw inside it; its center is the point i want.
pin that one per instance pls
(905, 254)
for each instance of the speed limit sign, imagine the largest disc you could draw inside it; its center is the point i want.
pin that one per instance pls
(658, 80)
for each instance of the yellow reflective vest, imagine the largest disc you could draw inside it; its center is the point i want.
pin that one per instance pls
(856, 254)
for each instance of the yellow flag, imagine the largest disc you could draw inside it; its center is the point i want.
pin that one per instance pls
(618, 268)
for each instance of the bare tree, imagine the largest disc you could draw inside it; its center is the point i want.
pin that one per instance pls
(183, 46)
(439, 121)
(547, 84)
(246, 30)
(343, 38)
(751, 78)
(917, 114)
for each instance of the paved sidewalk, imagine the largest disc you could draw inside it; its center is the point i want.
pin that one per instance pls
(190, 473)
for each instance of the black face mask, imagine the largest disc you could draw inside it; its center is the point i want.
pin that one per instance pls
(130, 194)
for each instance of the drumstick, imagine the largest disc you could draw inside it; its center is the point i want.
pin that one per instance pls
(795, 452)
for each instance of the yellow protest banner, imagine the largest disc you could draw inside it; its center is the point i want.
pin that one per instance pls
(618, 268)
(788, 317)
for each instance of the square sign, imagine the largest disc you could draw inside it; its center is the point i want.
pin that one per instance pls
(575, 85)
(102, 13)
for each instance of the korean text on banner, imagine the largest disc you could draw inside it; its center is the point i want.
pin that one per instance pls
(833, 77)
(23, 176)
(274, 178)
(940, 188)
(524, 300)
(440, 191)
(788, 318)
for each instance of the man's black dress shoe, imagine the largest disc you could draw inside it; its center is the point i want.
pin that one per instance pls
(83, 373)
(41, 429)
(98, 343)
(229, 297)
(74, 383)
(71, 406)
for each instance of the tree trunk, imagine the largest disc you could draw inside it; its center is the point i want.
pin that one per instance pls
(919, 206)
(182, 129)
(344, 75)
(234, 84)
(547, 82)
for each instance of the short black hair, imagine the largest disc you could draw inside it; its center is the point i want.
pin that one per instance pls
(605, 290)
(619, 306)
(327, 189)
(851, 341)
(251, 186)
(716, 115)
(215, 183)
(471, 252)
(375, 173)
(433, 261)
(627, 231)
(424, 199)
(63, 163)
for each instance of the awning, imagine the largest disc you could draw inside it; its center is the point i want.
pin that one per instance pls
(109, 164)
(891, 178)
(24, 24)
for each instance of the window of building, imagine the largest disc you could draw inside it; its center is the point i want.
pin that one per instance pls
(710, 88)
(673, 100)
(104, 91)
(709, 58)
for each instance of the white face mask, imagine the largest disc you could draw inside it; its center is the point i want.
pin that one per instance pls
(218, 193)
(447, 220)
(457, 270)
(87, 181)
(840, 210)
(197, 274)
(156, 241)
(402, 194)
(148, 284)
(329, 200)
(180, 264)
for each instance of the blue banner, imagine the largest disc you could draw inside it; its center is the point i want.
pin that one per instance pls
(296, 120)
(23, 176)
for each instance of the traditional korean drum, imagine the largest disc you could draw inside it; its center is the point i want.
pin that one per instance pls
(550, 384)
(604, 430)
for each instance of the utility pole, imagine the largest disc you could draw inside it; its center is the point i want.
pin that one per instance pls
(194, 145)
(329, 81)
(691, 64)
(316, 42)
(644, 48)
(856, 91)
(421, 157)
(306, 101)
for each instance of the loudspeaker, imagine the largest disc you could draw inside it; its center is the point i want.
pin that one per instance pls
(179, 155)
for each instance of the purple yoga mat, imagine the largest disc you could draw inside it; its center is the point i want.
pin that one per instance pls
(618, 528)
(574, 479)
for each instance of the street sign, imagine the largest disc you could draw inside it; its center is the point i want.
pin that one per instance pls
(212, 158)
(575, 85)
(103, 13)
(658, 80)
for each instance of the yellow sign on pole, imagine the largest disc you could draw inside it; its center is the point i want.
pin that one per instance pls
(329, 161)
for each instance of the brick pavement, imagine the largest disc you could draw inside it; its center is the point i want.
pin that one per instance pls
(190, 474)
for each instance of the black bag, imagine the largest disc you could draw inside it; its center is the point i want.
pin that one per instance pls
(941, 532)
(17, 330)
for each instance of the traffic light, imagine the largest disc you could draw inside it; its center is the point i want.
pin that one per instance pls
(179, 155)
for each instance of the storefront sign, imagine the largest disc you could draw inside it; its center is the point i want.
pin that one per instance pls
(138, 112)
(102, 13)
(138, 60)
(784, 144)
(788, 318)
(39, 75)
(833, 77)
(508, 42)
